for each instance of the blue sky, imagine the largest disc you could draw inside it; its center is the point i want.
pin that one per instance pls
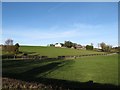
(50, 22)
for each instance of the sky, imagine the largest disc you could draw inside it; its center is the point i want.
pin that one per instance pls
(43, 23)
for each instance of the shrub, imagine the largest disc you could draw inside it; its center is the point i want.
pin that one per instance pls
(89, 47)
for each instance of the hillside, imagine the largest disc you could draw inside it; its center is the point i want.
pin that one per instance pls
(54, 52)
(99, 71)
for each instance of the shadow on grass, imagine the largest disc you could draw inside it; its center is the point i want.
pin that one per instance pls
(21, 63)
(28, 52)
(30, 76)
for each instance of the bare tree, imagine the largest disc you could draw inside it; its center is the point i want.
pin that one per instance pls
(106, 48)
(103, 46)
(9, 42)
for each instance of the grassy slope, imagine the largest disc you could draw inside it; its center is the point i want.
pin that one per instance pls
(100, 69)
(54, 52)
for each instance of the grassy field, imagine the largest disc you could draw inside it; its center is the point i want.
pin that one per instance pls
(102, 69)
(54, 52)
(99, 69)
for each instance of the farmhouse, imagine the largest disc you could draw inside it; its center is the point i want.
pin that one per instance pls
(58, 45)
(78, 46)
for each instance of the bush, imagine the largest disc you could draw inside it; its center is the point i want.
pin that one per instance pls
(89, 47)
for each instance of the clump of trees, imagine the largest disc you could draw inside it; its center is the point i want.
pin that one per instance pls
(10, 48)
(68, 44)
(89, 47)
(52, 45)
(105, 47)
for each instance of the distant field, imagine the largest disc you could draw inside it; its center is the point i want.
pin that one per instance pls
(99, 69)
(54, 52)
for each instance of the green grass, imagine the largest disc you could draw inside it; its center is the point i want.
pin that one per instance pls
(0, 51)
(99, 69)
(102, 69)
(54, 52)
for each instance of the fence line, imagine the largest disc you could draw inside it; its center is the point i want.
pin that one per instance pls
(37, 57)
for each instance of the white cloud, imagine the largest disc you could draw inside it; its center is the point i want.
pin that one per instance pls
(84, 32)
(42, 34)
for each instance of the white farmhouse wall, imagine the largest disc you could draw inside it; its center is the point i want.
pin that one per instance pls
(58, 45)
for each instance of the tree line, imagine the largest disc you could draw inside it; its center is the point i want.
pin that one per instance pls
(69, 44)
(9, 47)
